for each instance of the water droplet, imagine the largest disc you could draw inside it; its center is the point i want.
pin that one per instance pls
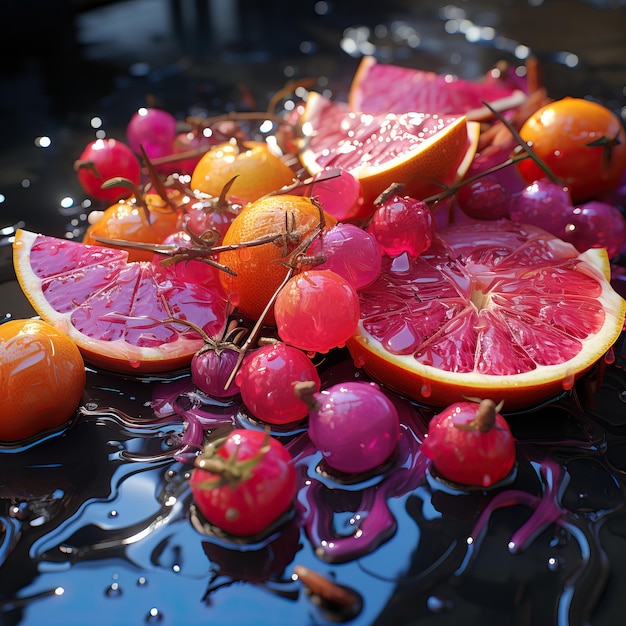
(113, 513)
(359, 361)
(609, 357)
(154, 615)
(568, 382)
(553, 564)
(622, 396)
(436, 604)
(113, 590)
(142, 581)
(426, 389)
(244, 254)
(134, 364)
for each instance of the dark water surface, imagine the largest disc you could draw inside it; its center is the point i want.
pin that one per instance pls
(98, 521)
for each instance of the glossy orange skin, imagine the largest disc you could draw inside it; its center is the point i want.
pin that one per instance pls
(259, 171)
(259, 270)
(42, 377)
(127, 220)
(560, 134)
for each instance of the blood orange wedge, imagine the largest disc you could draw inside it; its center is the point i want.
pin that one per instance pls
(380, 88)
(114, 310)
(420, 150)
(494, 310)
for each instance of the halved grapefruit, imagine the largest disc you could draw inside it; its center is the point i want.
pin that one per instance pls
(380, 87)
(492, 310)
(422, 151)
(114, 310)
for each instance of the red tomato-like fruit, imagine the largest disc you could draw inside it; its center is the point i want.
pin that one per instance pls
(102, 160)
(582, 142)
(244, 483)
(470, 443)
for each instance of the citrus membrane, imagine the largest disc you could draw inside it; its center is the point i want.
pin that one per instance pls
(380, 87)
(493, 310)
(422, 151)
(114, 310)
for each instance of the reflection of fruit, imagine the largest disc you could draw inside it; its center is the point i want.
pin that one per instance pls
(258, 269)
(471, 443)
(379, 87)
(582, 142)
(128, 221)
(259, 171)
(492, 310)
(421, 151)
(113, 310)
(244, 483)
(43, 377)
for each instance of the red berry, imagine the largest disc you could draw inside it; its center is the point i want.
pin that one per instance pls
(470, 443)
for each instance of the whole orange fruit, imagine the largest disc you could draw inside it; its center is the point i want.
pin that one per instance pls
(259, 270)
(127, 220)
(42, 377)
(581, 141)
(259, 171)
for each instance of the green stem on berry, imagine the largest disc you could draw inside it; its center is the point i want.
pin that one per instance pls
(229, 471)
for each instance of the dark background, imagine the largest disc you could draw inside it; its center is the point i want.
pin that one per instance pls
(63, 62)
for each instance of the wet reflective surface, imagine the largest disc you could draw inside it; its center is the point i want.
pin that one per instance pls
(98, 520)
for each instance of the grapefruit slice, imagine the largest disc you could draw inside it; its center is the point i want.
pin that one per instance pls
(380, 87)
(492, 310)
(421, 151)
(114, 310)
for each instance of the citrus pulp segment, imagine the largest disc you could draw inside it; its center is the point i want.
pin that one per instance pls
(380, 87)
(493, 310)
(114, 310)
(419, 150)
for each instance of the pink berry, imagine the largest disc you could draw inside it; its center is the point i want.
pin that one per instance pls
(316, 311)
(402, 225)
(351, 252)
(154, 130)
(266, 381)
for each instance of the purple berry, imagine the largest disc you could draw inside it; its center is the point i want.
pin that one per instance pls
(354, 425)
(544, 204)
(484, 199)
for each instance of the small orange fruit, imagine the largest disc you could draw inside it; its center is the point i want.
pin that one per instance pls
(259, 171)
(42, 377)
(259, 270)
(127, 220)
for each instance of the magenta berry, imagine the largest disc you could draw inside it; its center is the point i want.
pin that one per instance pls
(354, 425)
(402, 225)
(484, 199)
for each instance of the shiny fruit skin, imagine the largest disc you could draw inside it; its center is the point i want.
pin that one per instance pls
(317, 310)
(267, 379)
(260, 269)
(355, 426)
(42, 379)
(127, 220)
(259, 171)
(463, 453)
(250, 505)
(583, 144)
(103, 159)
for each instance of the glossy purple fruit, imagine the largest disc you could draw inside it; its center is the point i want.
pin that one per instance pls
(543, 203)
(484, 199)
(596, 224)
(354, 425)
(210, 369)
